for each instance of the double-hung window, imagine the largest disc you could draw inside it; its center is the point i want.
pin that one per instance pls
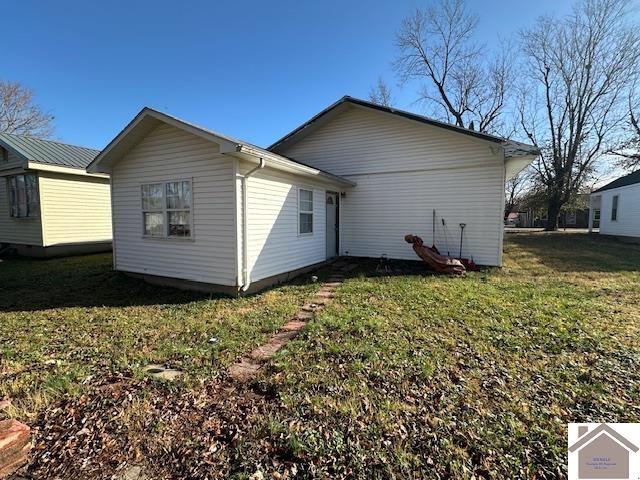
(23, 195)
(305, 211)
(166, 209)
(614, 208)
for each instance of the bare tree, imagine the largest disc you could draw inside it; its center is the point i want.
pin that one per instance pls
(381, 93)
(515, 189)
(628, 150)
(579, 70)
(436, 48)
(19, 113)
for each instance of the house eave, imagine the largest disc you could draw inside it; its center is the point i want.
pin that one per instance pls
(45, 167)
(105, 160)
(284, 164)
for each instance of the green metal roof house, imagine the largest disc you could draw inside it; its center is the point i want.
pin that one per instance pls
(49, 204)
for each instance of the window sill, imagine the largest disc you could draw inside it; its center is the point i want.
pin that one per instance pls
(305, 234)
(24, 219)
(169, 239)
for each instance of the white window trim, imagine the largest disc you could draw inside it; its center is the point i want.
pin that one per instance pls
(36, 213)
(617, 209)
(313, 219)
(165, 211)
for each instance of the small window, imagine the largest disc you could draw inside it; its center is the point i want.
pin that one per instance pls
(614, 208)
(596, 214)
(305, 211)
(23, 196)
(5, 154)
(166, 209)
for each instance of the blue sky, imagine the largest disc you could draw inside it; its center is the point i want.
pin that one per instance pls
(251, 69)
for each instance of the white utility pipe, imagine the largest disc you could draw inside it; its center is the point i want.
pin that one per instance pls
(246, 280)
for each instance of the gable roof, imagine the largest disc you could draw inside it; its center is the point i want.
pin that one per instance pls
(630, 179)
(512, 148)
(148, 118)
(596, 432)
(47, 151)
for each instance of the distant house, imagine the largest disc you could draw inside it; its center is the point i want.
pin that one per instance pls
(617, 206)
(199, 209)
(49, 204)
(574, 214)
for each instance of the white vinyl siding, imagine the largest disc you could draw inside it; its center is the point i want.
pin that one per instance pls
(24, 231)
(403, 170)
(375, 218)
(74, 209)
(627, 222)
(274, 245)
(166, 154)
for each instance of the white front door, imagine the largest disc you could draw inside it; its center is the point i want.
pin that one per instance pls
(332, 224)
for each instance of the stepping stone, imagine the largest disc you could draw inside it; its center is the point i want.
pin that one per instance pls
(14, 446)
(268, 350)
(243, 370)
(332, 285)
(324, 294)
(294, 325)
(162, 373)
(134, 472)
(304, 315)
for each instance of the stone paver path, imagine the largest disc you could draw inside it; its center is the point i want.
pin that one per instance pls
(247, 367)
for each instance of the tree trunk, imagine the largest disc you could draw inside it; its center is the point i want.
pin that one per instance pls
(553, 210)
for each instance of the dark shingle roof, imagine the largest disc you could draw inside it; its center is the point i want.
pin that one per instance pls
(48, 151)
(630, 179)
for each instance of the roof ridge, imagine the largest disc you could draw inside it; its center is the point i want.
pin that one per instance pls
(596, 432)
(401, 113)
(162, 116)
(426, 117)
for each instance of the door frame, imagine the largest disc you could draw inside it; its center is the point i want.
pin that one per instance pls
(337, 227)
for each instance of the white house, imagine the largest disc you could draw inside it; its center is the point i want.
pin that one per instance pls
(49, 204)
(617, 206)
(199, 209)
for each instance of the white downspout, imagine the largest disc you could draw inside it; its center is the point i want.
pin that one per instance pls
(246, 280)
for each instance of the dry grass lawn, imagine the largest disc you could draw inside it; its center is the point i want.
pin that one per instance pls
(402, 376)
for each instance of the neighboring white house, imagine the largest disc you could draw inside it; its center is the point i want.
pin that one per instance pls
(49, 204)
(617, 206)
(199, 209)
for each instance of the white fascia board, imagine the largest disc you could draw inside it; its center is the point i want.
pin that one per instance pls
(60, 169)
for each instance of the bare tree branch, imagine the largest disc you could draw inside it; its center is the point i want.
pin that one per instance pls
(19, 114)
(436, 48)
(381, 93)
(579, 70)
